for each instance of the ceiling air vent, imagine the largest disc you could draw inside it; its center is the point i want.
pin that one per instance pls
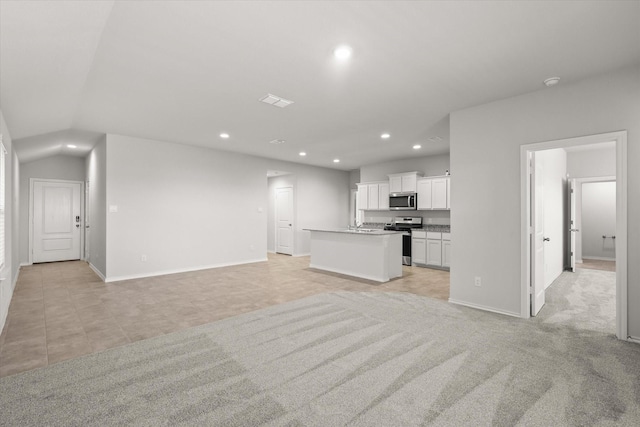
(277, 141)
(275, 101)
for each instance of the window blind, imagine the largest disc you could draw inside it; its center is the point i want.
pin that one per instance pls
(3, 153)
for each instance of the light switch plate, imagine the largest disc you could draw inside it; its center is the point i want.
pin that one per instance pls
(113, 208)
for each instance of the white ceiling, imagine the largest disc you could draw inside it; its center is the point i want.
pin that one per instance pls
(186, 71)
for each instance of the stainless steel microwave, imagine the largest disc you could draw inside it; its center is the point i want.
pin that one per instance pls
(403, 201)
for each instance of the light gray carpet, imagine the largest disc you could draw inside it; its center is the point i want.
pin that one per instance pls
(347, 358)
(585, 299)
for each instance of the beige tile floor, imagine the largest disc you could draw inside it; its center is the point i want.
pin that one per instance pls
(63, 310)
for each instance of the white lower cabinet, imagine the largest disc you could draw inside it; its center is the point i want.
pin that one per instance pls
(434, 249)
(418, 247)
(446, 249)
(431, 248)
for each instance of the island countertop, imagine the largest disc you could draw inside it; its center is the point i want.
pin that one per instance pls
(371, 254)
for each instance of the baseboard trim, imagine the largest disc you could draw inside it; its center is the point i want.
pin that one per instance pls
(25, 264)
(304, 254)
(633, 339)
(95, 270)
(484, 308)
(596, 258)
(180, 270)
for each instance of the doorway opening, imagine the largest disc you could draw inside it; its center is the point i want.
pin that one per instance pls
(56, 215)
(533, 238)
(281, 231)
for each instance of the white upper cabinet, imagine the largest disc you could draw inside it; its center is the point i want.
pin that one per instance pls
(373, 196)
(383, 196)
(403, 182)
(362, 200)
(433, 193)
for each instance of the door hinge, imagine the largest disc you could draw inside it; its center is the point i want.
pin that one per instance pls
(531, 290)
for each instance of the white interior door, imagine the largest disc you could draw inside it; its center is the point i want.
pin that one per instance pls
(284, 220)
(571, 193)
(537, 250)
(57, 222)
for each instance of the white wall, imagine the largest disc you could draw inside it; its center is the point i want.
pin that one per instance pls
(11, 267)
(598, 219)
(56, 167)
(554, 165)
(485, 156)
(188, 207)
(427, 165)
(591, 163)
(354, 178)
(96, 175)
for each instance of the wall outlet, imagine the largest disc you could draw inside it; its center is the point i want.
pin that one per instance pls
(477, 281)
(143, 258)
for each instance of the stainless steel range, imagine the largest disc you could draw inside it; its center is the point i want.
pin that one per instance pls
(405, 224)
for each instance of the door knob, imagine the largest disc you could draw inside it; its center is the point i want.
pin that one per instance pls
(546, 239)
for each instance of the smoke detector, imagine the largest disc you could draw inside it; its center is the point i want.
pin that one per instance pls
(276, 101)
(552, 81)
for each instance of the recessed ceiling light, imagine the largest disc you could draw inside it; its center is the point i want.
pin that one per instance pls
(336, 160)
(417, 147)
(224, 135)
(385, 136)
(72, 146)
(552, 81)
(342, 52)
(302, 153)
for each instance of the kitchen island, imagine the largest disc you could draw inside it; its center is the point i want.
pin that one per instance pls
(366, 253)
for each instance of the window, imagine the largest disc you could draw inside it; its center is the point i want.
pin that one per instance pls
(3, 153)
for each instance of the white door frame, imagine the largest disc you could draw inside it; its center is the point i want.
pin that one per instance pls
(620, 138)
(32, 181)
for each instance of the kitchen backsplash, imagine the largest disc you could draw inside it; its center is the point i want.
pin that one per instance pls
(428, 217)
(443, 228)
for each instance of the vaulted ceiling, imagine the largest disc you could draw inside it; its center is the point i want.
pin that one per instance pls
(187, 71)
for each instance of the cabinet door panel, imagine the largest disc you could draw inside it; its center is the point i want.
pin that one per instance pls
(395, 184)
(434, 252)
(383, 196)
(362, 200)
(424, 193)
(409, 183)
(439, 193)
(418, 251)
(373, 196)
(448, 193)
(446, 253)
